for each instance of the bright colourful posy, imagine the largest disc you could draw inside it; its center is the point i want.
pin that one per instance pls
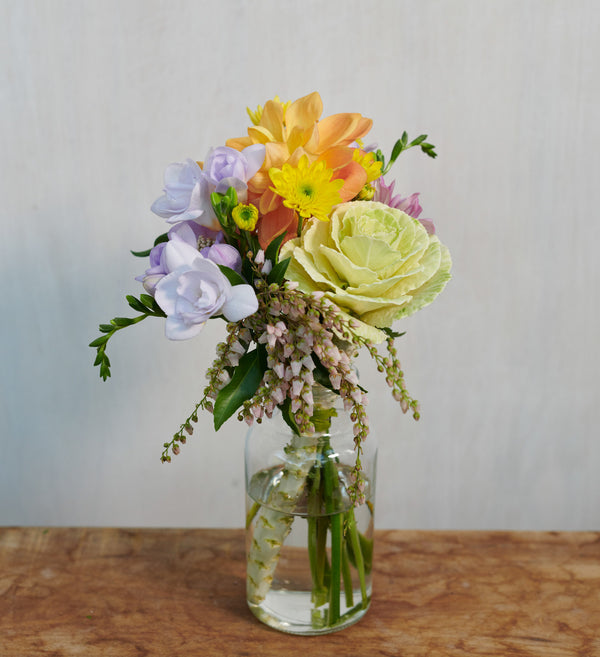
(293, 237)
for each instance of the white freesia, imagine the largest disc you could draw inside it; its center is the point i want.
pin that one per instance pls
(196, 290)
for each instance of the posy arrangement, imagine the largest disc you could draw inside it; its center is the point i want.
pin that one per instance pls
(293, 237)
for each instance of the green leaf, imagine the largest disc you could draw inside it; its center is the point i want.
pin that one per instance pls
(105, 369)
(428, 149)
(244, 384)
(232, 276)
(144, 254)
(231, 197)
(391, 333)
(141, 254)
(106, 328)
(262, 356)
(247, 269)
(215, 199)
(147, 300)
(420, 139)
(398, 148)
(288, 416)
(272, 251)
(136, 304)
(151, 306)
(122, 321)
(253, 242)
(321, 374)
(98, 342)
(278, 271)
(157, 310)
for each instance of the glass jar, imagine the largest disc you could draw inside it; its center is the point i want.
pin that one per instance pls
(309, 549)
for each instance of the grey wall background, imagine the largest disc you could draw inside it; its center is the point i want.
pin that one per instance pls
(98, 97)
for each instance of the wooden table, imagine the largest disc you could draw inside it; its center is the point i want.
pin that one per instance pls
(135, 592)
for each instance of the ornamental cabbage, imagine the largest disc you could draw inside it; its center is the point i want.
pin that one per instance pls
(376, 263)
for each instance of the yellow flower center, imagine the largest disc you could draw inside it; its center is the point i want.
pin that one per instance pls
(307, 191)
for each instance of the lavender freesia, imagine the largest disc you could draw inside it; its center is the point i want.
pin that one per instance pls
(225, 167)
(196, 236)
(156, 271)
(196, 290)
(224, 254)
(188, 187)
(186, 195)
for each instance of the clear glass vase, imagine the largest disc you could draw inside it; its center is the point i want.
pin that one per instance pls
(309, 549)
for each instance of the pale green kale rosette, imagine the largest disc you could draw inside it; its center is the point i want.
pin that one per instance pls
(374, 262)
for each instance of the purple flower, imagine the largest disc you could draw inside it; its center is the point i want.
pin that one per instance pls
(214, 248)
(194, 235)
(385, 194)
(186, 195)
(225, 167)
(224, 254)
(188, 187)
(369, 148)
(196, 290)
(156, 270)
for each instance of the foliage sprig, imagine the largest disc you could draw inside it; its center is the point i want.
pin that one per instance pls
(402, 145)
(145, 305)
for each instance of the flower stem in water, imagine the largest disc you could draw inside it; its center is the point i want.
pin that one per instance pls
(358, 555)
(336, 520)
(347, 576)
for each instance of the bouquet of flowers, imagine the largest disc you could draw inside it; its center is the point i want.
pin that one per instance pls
(293, 237)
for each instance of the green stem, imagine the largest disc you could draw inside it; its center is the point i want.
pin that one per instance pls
(324, 571)
(347, 576)
(351, 612)
(336, 526)
(358, 555)
(316, 546)
(312, 555)
(336, 567)
(250, 516)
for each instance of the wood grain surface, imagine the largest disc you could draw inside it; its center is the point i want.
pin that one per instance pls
(125, 593)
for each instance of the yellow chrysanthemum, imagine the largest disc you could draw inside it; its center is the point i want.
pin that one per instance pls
(308, 189)
(245, 216)
(368, 162)
(256, 115)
